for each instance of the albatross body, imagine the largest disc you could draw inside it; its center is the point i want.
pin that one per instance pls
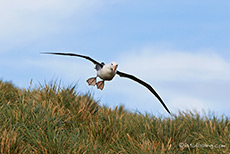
(106, 72)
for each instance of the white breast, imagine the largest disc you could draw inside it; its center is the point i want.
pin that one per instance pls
(106, 73)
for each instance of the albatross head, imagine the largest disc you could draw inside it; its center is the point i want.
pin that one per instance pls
(113, 66)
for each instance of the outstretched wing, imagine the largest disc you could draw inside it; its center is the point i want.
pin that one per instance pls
(121, 74)
(76, 55)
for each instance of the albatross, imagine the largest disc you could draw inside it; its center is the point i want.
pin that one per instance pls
(107, 72)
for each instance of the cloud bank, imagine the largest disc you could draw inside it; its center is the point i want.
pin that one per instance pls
(185, 80)
(177, 65)
(24, 21)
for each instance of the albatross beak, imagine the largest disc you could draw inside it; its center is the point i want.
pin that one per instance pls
(114, 67)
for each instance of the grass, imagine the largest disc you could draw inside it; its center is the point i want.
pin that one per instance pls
(50, 119)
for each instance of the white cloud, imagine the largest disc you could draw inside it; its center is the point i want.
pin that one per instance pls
(185, 80)
(176, 65)
(26, 20)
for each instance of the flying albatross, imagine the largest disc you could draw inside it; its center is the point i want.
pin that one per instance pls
(107, 71)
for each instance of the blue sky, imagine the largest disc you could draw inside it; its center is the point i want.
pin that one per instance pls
(180, 47)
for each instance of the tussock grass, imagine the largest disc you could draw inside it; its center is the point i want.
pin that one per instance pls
(50, 119)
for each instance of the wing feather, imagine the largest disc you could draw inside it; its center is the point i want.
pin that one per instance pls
(76, 55)
(121, 74)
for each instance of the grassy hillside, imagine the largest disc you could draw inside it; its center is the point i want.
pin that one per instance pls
(50, 119)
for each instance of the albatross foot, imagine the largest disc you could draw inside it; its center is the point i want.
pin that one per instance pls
(100, 85)
(91, 81)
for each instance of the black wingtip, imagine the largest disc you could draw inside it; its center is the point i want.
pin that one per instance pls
(43, 52)
(169, 112)
(165, 107)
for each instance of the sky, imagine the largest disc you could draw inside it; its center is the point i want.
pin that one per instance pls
(181, 48)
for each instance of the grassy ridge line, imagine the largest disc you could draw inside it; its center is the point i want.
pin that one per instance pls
(54, 120)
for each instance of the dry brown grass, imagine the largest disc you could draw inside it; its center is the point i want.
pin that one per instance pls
(50, 119)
